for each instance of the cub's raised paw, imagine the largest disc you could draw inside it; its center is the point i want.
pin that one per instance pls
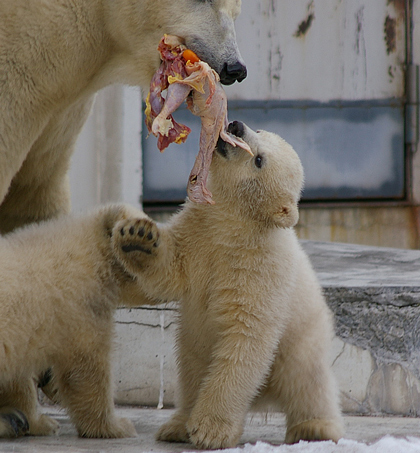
(316, 429)
(135, 242)
(136, 235)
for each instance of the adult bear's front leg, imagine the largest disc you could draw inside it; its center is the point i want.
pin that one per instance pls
(38, 188)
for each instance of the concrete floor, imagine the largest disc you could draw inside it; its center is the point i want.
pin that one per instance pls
(268, 428)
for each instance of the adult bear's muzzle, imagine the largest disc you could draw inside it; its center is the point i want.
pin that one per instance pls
(232, 73)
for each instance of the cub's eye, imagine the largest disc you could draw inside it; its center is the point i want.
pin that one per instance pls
(258, 161)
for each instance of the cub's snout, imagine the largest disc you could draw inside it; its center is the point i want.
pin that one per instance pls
(236, 128)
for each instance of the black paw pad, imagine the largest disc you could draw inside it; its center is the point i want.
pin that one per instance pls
(135, 248)
(140, 236)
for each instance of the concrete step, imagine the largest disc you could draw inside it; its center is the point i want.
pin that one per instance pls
(375, 295)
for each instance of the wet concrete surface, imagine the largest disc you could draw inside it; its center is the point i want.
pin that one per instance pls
(259, 427)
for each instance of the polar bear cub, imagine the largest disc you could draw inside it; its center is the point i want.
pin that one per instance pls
(59, 285)
(254, 327)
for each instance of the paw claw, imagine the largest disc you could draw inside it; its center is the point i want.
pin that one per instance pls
(209, 432)
(173, 431)
(315, 429)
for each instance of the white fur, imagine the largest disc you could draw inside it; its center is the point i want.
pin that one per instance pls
(60, 283)
(55, 54)
(254, 326)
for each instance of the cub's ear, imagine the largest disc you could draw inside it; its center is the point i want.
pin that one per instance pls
(287, 216)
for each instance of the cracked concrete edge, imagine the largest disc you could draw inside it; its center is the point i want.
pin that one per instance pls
(360, 266)
(372, 387)
(391, 333)
(399, 296)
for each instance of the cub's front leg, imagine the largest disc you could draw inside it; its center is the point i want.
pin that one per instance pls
(247, 334)
(150, 253)
(135, 242)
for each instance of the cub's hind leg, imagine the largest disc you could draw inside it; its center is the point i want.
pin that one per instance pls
(304, 386)
(19, 414)
(192, 370)
(85, 389)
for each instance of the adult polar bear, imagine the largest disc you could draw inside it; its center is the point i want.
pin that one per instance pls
(55, 54)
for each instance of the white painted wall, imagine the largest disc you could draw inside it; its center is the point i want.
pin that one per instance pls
(416, 60)
(106, 165)
(343, 54)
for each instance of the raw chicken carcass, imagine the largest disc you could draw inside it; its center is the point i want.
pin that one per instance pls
(186, 77)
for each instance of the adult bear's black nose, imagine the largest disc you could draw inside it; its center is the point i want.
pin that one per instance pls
(236, 128)
(231, 73)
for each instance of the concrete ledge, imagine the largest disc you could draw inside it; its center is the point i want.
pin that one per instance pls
(375, 295)
(350, 265)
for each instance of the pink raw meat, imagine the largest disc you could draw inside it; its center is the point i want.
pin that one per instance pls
(208, 101)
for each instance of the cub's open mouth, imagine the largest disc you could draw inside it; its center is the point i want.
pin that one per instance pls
(235, 128)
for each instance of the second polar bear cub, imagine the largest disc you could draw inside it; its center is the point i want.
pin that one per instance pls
(254, 326)
(60, 283)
